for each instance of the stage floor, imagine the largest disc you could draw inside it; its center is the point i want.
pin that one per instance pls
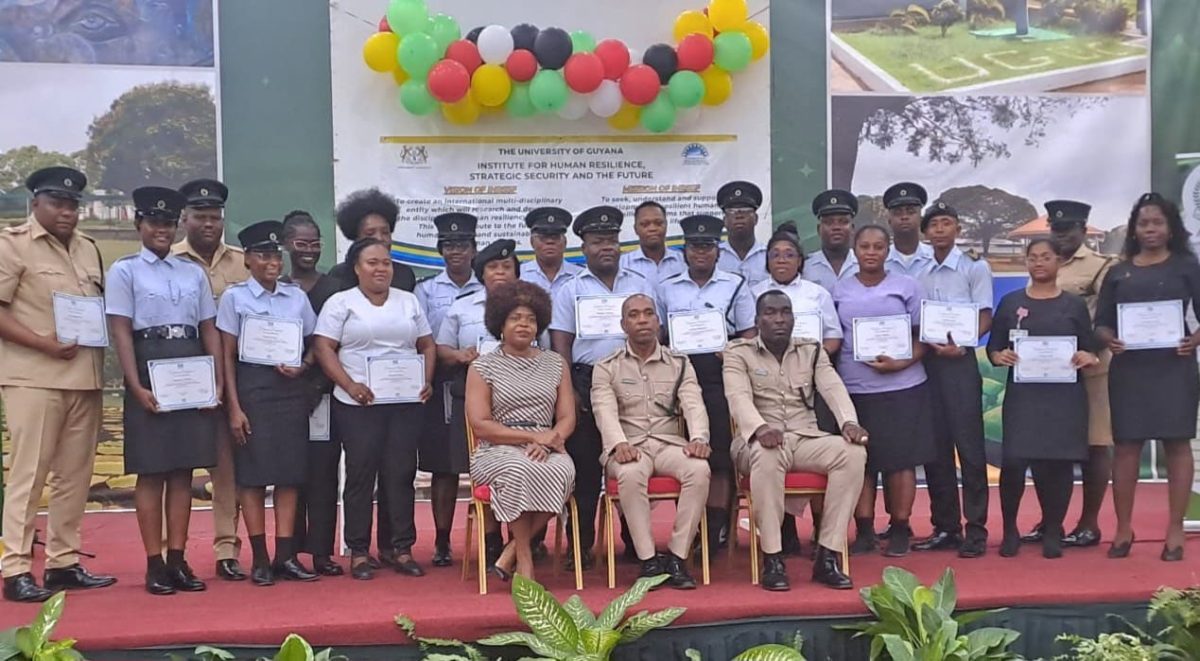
(341, 611)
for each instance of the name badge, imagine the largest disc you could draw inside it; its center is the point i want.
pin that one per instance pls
(758, 371)
(1016, 333)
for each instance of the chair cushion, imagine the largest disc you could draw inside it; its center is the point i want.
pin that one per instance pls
(659, 485)
(797, 480)
(483, 493)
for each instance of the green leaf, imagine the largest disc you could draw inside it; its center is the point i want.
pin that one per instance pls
(294, 648)
(580, 614)
(213, 653)
(898, 649)
(876, 648)
(945, 593)
(771, 652)
(972, 617)
(642, 623)
(26, 642)
(611, 616)
(990, 640)
(540, 612)
(693, 654)
(901, 584)
(597, 640)
(44, 622)
(535, 644)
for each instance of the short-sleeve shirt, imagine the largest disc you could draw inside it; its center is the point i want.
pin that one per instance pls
(958, 279)
(531, 272)
(1083, 273)
(724, 291)
(818, 269)
(585, 283)
(364, 330)
(153, 292)
(910, 265)
(807, 297)
(672, 263)
(288, 301)
(895, 294)
(228, 266)
(437, 293)
(463, 326)
(753, 267)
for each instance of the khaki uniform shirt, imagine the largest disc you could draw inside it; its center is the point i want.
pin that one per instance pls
(1082, 275)
(228, 265)
(764, 391)
(632, 400)
(33, 265)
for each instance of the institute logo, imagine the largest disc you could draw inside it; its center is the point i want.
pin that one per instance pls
(414, 156)
(695, 154)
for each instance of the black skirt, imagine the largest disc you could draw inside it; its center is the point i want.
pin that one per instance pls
(1153, 394)
(712, 391)
(169, 441)
(443, 440)
(900, 426)
(276, 451)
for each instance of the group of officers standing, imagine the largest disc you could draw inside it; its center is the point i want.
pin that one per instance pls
(751, 408)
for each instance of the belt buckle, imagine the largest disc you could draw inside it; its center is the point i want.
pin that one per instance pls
(175, 332)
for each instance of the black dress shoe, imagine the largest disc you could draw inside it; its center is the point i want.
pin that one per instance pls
(827, 570)
(293, 570)
(939, 541)
(230, 570)
(158, 583)
(886, 532)
(23, 588)
(500, 572)
(1034, 536)
(261, 575)
(1081, 538)
(325, 566)
(408, 567)
(75, 577)
(441, 557)
(184, 580)
(361, 570)
(867, 542)
(974, 547)
(587, 558)
(387, 558)
(899, 541)
(1010, 546)
(774, 576)
(680, 578)
(651, 568)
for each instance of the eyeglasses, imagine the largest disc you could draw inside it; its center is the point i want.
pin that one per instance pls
(306, 246)
(739, 212)
(783, 254)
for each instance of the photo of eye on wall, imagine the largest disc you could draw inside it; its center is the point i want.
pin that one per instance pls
(175, 33)
(989, 46)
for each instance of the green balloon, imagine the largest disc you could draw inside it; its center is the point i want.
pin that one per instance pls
(582, 42)
(407, 17)
(519, 104)
(659, 116)
(417, 54)
(685, 89)
(415, 97)
(444, 30)
(548, 91)
(732, 51)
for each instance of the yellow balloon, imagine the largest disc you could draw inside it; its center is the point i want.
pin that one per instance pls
(718, 85)
(727, 15)
(490, 85)
(462, 112)
(692, 22)
(399, 75)
(379, 51)
(760, 39)
(626, 118)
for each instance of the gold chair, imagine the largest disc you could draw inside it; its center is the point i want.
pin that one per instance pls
(661, 487)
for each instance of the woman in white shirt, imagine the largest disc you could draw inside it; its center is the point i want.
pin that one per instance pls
(371, 321)
(812, 305)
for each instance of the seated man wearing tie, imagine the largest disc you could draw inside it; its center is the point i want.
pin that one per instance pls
(772, 382)
(642, 396)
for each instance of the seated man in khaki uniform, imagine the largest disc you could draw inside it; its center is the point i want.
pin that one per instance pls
(772, 382)
(644, 397)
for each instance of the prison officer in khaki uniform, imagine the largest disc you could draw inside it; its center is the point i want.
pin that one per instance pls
(1080, 272)
(204, 225)
(772, 382)
(644, 397)
(51, 390)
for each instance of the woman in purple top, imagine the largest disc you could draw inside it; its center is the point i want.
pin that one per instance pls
(890, 394)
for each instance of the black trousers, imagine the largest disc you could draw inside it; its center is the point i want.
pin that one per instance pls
(316, 507)
(380, 442)
(957, 390)
(1053, 480)
(584, 446)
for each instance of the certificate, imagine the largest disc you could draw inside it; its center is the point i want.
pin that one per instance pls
(599, 317)
(1045, 359)
(271, 341)
(808, 326)
(699, 331)
(80, 319)
(486, 344)
(959, 320)
(183, 383)
(396, 378)
(883, 336)
(318, 421)
(1150, 325)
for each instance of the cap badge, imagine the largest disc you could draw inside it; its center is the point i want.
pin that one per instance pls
(1058, 214)
(161, 204)
(737, 192)
(699, 228)
(204, 191)
(904, 191)
(603, 217)
(453, 227)
(68, 182)
(504, 252)
(941, 205)
(272, 237)
(833, 200)
(550, 218)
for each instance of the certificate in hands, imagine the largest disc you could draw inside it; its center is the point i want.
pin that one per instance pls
(396, 378)
(183, 383)
(699, 331)
(1045, 359)
(808, 326)
(271, 341)
(1151, 325)
(959, 320)
(80, 319)
(883, 336)
(318, 422)
(599, 317)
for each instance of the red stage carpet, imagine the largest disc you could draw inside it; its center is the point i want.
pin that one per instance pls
(342, 611)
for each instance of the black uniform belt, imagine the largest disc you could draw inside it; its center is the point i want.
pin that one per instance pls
(175, 332)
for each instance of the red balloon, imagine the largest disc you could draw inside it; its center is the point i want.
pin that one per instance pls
(448, 81)
(383, 25)
(615, 57)
(695, 52)
(521, 65)
(640, 84)
(584, 72)
(465, 53)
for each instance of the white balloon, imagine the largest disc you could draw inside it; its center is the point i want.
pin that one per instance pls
(606, 100)
(688, 117)
(635, 56)
(495, 44)
(576, 107)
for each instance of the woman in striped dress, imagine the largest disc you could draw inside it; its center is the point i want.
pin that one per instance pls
(521, 406)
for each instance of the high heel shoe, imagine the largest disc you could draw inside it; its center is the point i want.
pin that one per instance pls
(500, 573)
(1117, 551)
(1171, 554)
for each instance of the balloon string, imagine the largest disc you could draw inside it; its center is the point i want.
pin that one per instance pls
(337, 6)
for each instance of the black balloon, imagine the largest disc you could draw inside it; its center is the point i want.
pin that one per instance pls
(552, 48)
(473, 35)
(524, 36)
(663, 60)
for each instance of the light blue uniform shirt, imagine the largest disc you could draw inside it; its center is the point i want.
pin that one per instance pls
(288, 301)
(463, 325)
(437, 293)
(724, 291)
(818, 269)
(585, 283)
(530, 272)
(158, 292)
(910, 265)
(672, 264)
(958, 279)
(753, 268)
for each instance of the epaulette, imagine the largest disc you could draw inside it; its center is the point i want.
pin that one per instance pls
(14, 230)
(234, 249)
(426, 278)
(632, 272)
(466, 294)
(612, 356)
(740, 342)
(85, 237)
(126, 257)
